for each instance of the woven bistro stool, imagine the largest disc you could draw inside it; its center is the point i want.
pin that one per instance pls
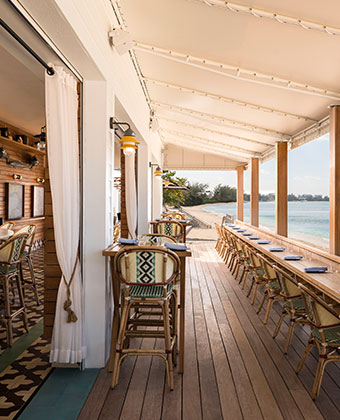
(293, 305)
(146, 275)
(10, 256)
(27, 258)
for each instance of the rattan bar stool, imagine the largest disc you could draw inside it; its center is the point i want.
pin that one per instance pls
(27, 258)
(10, 256)
(258, 278)
(325, 335)
(293, 305)
(146, 275)
(272, 288)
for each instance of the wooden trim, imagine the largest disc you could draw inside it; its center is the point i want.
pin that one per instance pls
(240, 192)
(281, 197)
(254, 192)
(334, 184)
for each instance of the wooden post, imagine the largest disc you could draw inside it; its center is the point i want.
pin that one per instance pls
(254, 192)
(240, 192)
(281, 197)
(334, 184)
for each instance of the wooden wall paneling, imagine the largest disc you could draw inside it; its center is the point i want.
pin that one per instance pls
(29, 177)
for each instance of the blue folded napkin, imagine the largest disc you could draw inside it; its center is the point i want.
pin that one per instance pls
(175, 247)
(277, 249)
(292, 257)
(230, 224)
(181, 221)
(246, 234)
(242, 230)
(157, 220)
(316, 269)
(254, 237)
(236, 228)
(124, 241)
(263, 242)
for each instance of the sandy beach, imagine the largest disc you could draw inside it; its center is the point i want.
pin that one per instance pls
(207, 217)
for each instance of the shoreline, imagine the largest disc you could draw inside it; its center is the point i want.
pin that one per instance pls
(211, 217)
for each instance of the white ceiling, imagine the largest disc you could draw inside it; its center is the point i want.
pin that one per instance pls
(22, 91)
(175, 42)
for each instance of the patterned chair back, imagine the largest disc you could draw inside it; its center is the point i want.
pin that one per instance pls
(319, 313)
(11, 251)
(30, 230)
(7, 225)
(147, 266)
(255, 262)
(151, 238)
(170, 228)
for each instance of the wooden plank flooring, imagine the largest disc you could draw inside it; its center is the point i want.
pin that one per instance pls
(233, 367)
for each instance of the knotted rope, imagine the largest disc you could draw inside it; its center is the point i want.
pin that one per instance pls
(71, 316)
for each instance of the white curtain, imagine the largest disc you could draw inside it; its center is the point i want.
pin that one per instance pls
(63, 160)
(130, 191)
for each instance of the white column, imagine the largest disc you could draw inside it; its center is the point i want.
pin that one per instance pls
(157, 197)
(98, 218)
(144, 188)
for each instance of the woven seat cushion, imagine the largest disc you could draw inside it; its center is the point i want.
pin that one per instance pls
(297, 303)
(3, 269)
(149, 291)
(332, 335)
(274, 285)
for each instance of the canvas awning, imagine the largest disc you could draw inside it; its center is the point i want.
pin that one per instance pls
(232, 79)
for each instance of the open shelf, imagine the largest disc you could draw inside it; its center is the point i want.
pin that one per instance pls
(31, 149)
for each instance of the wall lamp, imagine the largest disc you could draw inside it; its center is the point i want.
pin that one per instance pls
(158, 170)
(16, 176)
(41, 180)
(128, 141)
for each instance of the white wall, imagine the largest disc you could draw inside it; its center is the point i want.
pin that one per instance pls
(98, 232)
(79, 28)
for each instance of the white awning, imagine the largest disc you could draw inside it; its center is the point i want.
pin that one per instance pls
(236, 78)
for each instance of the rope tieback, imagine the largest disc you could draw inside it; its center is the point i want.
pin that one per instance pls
(71, 316)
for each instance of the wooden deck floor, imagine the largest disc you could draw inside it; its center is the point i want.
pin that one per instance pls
(233, 367)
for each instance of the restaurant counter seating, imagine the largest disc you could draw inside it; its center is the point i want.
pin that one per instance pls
(170, 228)
(157, 238)
(272, 288)
(147, 275)
(293, 305)
(325, 334)
(10, 277)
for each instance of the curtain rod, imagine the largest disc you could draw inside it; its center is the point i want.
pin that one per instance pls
(50, 70)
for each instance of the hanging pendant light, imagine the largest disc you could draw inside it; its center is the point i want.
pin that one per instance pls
(158, 171)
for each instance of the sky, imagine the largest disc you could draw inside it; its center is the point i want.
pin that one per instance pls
(308, 171)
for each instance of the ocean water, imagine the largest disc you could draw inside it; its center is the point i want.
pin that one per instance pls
(307, 220)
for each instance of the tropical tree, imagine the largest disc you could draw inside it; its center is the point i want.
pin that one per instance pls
(224, 194)
(173, 197)
(196, 194)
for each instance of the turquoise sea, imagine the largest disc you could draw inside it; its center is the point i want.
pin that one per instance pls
(307, 220)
